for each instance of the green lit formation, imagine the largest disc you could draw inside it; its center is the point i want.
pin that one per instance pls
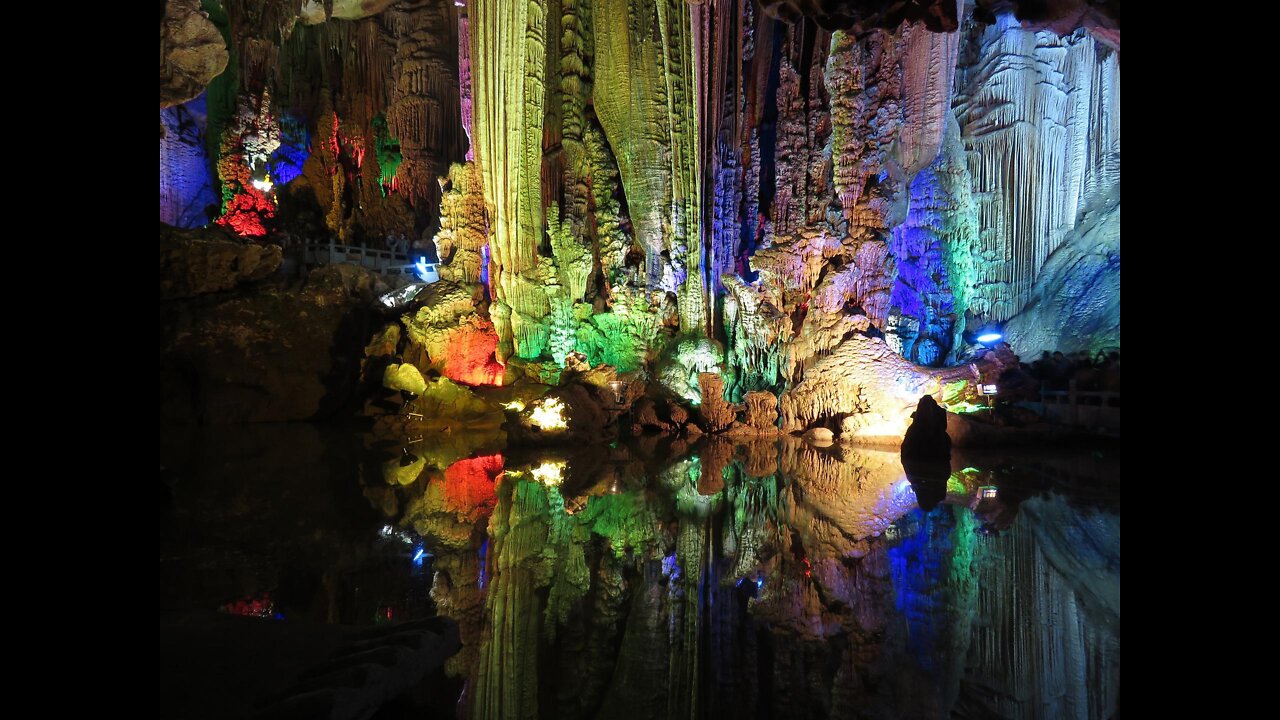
(387, 151)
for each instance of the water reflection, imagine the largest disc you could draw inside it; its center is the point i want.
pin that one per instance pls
(775, 579)
(663, 579)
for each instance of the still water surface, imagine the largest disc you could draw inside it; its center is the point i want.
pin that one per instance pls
(660, 579)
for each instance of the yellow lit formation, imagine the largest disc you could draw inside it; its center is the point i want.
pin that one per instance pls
(549, 415)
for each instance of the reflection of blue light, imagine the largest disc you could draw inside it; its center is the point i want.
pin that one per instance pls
(759, 582)
(417, 557)
(482, 578)
(669, 566)
(989, 337)
(278, 616)
(739, 583)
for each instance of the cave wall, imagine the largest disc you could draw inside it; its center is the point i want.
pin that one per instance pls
(792, 201)
(324, 119)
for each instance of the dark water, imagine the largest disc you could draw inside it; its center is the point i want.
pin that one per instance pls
(663, 580)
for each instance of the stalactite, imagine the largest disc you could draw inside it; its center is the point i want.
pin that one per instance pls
(508, 52)
(760, 335)
(1040, 116)
(464, 82)
(611, 242)
(422, 97)
(648, 116)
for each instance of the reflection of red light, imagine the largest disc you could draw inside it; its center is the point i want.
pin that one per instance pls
(808, 569)
(388, 613)
(261, 606)
(469, 484)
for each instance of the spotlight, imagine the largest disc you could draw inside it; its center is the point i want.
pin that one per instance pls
(988, 335)
(426, 270)
(619, 389)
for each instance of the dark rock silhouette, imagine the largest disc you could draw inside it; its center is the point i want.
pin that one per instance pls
(926, 453)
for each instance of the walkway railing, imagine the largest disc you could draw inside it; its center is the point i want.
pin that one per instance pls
(1086, 408)
(383, 262)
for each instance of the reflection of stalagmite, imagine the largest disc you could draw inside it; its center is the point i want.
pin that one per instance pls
(840, 502)
(935, 588)
(506, 683)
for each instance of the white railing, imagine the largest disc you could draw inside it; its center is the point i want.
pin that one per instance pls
(1083, 408)
(383, 262)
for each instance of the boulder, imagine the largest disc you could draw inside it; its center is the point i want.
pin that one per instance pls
(210, 260)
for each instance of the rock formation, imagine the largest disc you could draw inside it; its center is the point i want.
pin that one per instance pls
(822, 201)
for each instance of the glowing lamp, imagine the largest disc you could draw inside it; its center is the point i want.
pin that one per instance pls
(549, 415)
(515, 405)
(264, 185)
(619, 389)
(988, 491)
(989, 337)
(987, 389)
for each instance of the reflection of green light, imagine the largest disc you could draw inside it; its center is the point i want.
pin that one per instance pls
(956, 483)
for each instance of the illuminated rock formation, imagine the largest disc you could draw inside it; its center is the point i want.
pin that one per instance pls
(825, 207)
(867, 391)
(460, 243)
(455, 339)
(1040, 117)
(192, 52)
(644, 80)
(508, 45)
(1075, 302)
(187, 193)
